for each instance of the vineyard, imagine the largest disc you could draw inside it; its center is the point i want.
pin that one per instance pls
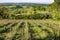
(30, 21)
(29, 30)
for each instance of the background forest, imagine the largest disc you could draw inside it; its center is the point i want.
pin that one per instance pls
(30, 11)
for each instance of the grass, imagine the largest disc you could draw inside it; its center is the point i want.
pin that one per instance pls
(30, 29)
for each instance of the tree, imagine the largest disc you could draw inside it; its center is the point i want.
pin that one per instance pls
(1, 11)
(57, 3)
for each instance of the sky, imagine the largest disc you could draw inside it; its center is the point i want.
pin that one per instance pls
(27, 1)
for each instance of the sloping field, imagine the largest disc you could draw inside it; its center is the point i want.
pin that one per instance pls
(29, 30)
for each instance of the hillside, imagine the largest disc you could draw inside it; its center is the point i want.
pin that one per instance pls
(24, 11)
(29, 11)
(30, 21)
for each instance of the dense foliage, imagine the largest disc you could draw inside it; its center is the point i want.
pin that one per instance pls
(24, 12)
(30, 11)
